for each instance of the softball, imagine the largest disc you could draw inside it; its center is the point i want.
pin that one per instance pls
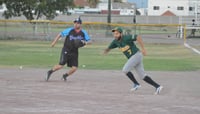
(21, 67)
(83, 66)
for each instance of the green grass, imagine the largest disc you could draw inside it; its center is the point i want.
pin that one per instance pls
(39, 54)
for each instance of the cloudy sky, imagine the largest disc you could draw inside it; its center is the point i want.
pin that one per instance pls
(140, 3)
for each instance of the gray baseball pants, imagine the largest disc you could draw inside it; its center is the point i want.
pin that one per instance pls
(136, 62)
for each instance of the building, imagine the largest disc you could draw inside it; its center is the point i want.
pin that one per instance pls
(81, 3)
(173, 7)
(188, 11)
(123, 8)
(117, 8)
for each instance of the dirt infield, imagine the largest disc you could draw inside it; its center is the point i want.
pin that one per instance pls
(96, 92)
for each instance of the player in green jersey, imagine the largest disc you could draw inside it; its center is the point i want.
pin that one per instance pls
(135, 57)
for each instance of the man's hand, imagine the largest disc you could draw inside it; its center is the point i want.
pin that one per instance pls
(106, 51)
(84, 42)
(53, 44)
(144, 52)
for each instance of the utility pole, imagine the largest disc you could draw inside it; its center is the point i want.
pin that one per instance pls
(109, 11)
(134, 19)
(108, 31)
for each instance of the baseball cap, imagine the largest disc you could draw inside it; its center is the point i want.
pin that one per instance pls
(119, 29)
(78, 20)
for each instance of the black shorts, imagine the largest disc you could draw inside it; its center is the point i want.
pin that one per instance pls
(69, 58)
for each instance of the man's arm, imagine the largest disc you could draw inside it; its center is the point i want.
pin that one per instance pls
(140, 42)
(86, 42)
(110, 47)
(64, 33)
(106, 51)
(55, 40)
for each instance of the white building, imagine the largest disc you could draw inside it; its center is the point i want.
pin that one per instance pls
(123, 8)
(173, 7)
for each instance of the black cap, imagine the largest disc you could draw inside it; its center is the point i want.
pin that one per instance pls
(78, 20)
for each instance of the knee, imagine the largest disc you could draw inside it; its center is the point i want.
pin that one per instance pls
(57, 67)
(125, 71)
(74, 68)
(145, 77)
(62, 63)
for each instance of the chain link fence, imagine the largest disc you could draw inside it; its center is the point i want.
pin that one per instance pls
(47, 30)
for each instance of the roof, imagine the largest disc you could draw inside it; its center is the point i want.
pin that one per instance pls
(168, 13)
(81, 3)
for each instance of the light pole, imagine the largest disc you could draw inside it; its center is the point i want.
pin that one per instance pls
(109, 11)
(108, 33)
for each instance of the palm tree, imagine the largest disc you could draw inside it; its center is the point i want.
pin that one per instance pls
(93, 3)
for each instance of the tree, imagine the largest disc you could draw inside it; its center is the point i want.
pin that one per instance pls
(117, 1)
(35, 9)
(93, 3)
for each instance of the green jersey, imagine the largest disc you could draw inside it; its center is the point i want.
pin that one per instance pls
(126, 45)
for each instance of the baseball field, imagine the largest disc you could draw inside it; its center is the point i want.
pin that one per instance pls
(99, 86)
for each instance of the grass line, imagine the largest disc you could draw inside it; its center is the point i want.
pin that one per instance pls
(38, 54)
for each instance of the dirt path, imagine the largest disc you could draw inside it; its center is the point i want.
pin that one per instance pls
(96, 92)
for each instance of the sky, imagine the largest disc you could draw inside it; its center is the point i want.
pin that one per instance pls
(139, 3)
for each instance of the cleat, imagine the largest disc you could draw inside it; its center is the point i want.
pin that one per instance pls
(65, 77)
(135, 87)
(48, 75)
(158, 90)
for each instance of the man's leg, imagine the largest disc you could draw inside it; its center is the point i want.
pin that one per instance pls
(55, 68)
(127, 70)
(70, 72)
(63, 59)
(151, 82)
(136, 85)
(73, 63)
(130, 64)
(140, 70)
(132, 78)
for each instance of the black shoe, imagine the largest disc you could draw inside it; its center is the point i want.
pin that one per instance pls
(48, 75)
(65, 77)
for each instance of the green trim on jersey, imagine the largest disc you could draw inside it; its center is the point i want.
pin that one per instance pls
(126, 45)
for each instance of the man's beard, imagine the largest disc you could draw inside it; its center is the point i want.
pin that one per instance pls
(77, 28)
(119, 38)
